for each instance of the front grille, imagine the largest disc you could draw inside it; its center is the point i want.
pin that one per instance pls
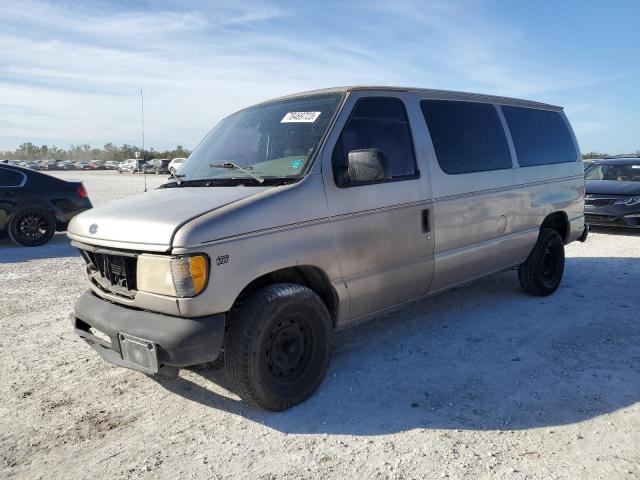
(599, 202)
(589, 218)
(113, 272)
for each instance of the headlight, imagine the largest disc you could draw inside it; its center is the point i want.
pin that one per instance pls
(184, 276)
(628, 201)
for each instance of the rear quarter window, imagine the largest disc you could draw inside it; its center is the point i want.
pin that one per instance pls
(11, 178)
(540, 137)
(467, 136)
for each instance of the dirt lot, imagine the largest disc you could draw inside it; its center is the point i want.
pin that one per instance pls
(480, 382)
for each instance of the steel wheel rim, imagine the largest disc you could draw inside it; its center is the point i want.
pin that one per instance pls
(289, 349)
(550, 263)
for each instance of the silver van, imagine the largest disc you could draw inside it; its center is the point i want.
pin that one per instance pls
(312, 212)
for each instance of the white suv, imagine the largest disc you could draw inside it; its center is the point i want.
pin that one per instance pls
(175, 164)
(129, 165)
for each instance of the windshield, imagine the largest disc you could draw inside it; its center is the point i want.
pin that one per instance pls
(623, 173)
(271, 141)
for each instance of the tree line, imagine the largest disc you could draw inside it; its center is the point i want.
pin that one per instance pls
(30, 152)
(592, 155)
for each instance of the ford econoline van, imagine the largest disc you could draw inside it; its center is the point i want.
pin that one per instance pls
(309, 213)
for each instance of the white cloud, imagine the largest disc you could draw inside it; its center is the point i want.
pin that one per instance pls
(71, 73)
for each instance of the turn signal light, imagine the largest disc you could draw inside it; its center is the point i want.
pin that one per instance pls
(198, 272)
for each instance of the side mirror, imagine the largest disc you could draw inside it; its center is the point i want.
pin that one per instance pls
(367, 165)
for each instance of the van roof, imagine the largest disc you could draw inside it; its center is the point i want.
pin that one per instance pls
(428, 93)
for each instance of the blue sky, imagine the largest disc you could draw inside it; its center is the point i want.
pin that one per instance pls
(71, 72)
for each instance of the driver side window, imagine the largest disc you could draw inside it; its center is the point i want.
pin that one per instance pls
(379, 125)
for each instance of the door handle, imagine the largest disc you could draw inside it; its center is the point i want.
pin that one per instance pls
(426, 223)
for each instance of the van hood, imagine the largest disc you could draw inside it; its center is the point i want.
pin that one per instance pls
(148, 221)
(612, 187)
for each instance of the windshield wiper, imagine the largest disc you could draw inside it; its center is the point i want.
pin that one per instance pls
(176, 176)
(231, 182)
(237, 167)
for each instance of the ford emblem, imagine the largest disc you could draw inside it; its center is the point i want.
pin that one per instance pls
(93, 228)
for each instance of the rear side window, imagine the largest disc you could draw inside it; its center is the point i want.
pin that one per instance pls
(380, 123)
(540, 137)
(10, 178)
(467, 136)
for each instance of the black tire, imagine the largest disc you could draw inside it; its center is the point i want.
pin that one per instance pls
(120, 171)
(278, 346)
(31, 227)
(172, 171)
(541, 274)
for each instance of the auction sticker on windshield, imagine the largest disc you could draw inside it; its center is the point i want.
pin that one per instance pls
(301, 117)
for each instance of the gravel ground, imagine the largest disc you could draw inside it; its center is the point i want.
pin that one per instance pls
(479, 382)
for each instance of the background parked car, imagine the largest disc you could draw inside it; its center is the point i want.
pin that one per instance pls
(132, 165)
(97, 165)
(33, 205)
(175, 164)
(111, 165)
(613, 193)
(66, 165)
(129, 165)
(50, 165)
(157, 166)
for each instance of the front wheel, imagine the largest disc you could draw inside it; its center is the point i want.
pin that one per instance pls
(32, 227)
(278, 346)
(541, 274)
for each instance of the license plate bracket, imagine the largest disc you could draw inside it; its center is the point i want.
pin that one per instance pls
(140, 353)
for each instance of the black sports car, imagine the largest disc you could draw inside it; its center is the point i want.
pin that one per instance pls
(34, 205)
(613, 193)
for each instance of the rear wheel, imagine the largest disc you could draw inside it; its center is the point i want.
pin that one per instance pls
(541, 274)
(32, 227)
(278, 346)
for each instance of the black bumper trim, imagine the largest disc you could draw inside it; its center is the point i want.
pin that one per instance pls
(180, 341)
(585, 233)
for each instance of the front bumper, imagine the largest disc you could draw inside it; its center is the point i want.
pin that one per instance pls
(175, 341)
(612, 216)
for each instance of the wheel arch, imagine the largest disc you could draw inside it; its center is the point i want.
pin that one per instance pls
(45, 205)
(309, 276)
(558, 221)
(36, 205)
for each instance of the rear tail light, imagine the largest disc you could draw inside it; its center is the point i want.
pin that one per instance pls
(82, 191)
